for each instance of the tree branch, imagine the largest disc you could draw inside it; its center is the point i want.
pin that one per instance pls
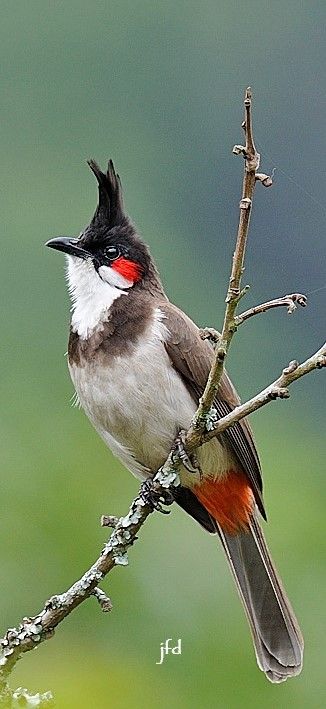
(32, 631)
(277, 390)
(289, 301)
(234, 293)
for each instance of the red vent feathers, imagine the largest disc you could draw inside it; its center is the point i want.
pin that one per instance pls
(230, 500)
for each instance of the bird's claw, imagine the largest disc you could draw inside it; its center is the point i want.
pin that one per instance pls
(155, 499)
(190, 462)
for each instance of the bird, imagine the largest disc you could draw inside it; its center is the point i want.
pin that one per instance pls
(139, 367)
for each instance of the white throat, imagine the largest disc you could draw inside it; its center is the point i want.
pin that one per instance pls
(92, 294)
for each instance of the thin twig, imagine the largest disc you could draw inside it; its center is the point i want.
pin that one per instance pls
(276, 390)
(289, 301)
(104, 601)
(234, 293)
(109, 521)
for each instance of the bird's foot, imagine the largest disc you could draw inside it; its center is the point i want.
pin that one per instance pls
(190, 462)
(155, 499)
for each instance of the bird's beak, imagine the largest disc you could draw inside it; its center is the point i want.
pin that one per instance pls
(68, 246)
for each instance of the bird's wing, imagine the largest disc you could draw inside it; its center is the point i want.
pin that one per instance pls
(192, 357)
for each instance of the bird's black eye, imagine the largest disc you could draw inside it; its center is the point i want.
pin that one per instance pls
(112, 252)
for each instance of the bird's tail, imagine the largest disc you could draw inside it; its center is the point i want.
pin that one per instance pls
(277, 638)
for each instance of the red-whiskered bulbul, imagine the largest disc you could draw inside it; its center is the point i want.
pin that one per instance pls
(139, 366)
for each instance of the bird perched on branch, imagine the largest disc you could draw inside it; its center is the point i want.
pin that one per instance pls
(139, 366)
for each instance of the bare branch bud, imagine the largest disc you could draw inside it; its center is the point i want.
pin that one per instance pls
(266, 180)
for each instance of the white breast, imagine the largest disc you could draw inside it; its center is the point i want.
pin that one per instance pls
(139, 402)
(92, 293)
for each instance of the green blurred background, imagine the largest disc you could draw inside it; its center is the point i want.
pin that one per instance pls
(159, 87)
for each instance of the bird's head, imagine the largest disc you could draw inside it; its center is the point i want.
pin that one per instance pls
(108, 250)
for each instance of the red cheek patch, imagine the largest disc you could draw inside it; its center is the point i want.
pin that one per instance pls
(128, 269)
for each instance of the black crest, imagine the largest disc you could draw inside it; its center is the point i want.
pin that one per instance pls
(110, 211)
